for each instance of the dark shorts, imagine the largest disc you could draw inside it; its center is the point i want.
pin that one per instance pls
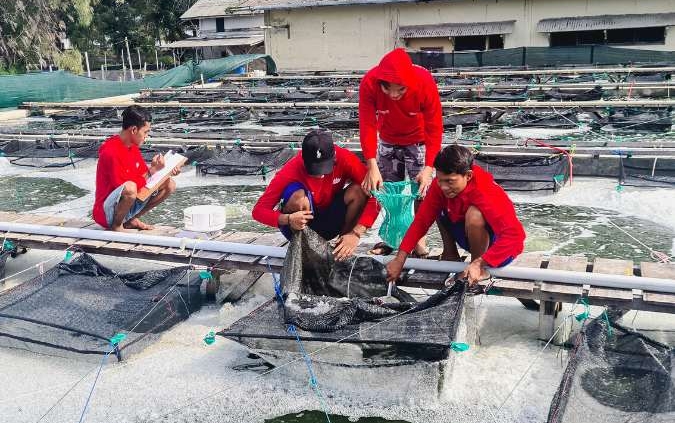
(327, 222)
(394, 161)
(458, 232)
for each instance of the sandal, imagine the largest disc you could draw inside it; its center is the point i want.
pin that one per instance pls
(381, 249)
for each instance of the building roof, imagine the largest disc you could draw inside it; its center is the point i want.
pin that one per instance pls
(589, 23)
(296, 4)
(215, 42)
(456, 29)
(214, 8)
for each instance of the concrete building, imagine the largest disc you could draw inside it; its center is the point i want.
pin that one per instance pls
(353, 34)
(222, 29)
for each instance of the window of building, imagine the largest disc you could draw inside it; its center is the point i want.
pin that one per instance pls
(623, 36)
(220, 24)
(479, 42)
(431, 49)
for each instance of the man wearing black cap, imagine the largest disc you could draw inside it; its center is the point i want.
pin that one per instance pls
(320, 188)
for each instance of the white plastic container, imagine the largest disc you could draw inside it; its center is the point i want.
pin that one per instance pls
(204, 218)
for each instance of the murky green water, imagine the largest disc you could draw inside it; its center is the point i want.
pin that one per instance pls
(320, 417)
(18, 194)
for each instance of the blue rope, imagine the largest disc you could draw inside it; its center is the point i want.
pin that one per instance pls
(312, 377)
(277, 283)
(91, 391)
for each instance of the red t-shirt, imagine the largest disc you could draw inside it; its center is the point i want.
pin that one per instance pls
(486, 195)
(348, 169)
(116, 165)
(416, 118)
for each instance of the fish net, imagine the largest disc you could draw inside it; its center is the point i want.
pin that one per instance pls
(78, 306)
(345, 301)
(527, 174)
(615, 375)
(51, 154)
(240, 160)
(398, 200)
(647, 173)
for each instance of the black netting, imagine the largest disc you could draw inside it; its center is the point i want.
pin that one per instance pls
(544, 120)
(526, 174)
(615, 375)
(240, 160)
(79, 306)
(466, 119)
(574, 95)
(328, 300)
(51, 154)
(646, 172)
(631, 121)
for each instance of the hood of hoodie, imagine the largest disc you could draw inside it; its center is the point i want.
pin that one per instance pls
(396, 67)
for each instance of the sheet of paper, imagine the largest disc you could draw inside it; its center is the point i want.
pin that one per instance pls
(171, 160)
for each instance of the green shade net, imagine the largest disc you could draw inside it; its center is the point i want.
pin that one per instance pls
(397, 199)
(64, 86)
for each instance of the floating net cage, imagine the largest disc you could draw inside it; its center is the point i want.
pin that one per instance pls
(627, 121)
(527, 174)
(80, 305)
(615, 375)
(50, 153)
(327, 300)
(647, 173)
(398, 201)
(241, 160)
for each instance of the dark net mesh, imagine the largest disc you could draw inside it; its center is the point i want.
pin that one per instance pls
(615, 375)
(648, 173)
(526, 174)
(329, 300)
(50, 153)
(240, 160)
(79, 306)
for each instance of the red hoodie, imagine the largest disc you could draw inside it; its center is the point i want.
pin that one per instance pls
(416, 118)
(116, 165)
(484, 193)
(348, 168)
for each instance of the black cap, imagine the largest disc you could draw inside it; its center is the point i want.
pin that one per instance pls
(318, 152)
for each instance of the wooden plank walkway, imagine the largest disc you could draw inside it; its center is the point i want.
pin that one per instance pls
(549, 294)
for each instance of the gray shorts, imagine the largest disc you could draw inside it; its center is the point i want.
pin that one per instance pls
(110, 204)
(395, 160)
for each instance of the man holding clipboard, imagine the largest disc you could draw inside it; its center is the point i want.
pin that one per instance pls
(126, 188)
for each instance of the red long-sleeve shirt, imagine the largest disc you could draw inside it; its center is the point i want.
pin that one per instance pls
(415, 118)
(348, 169)
(116, 165)
(483, 193)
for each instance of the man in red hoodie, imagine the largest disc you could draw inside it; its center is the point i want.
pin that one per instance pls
(320, 188)
(121, 173)
(399, 101)
(472, 211)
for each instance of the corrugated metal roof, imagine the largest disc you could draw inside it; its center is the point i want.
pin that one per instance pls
(589, 23)
(217, 42)
(296, 4)
(212, 8)
(458, 29)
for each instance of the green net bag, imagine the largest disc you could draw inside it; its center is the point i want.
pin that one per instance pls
(397, 199)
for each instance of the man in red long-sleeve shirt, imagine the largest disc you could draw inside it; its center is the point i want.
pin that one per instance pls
(472, 211)
(121, 173)
(320, 188)
(399, 101)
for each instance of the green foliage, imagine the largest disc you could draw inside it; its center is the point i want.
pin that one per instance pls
(71, 60)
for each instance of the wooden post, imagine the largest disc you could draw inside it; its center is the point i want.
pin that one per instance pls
(156, 60)
(131, 65)
(86, 60)
(105, 62)
(547, 314)
(173, 54)
(124, 67)
(140, 64)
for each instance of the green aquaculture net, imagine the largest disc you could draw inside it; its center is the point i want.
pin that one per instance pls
(397, 199)
(64, 86)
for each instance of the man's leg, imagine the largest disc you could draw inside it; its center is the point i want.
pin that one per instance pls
(450, 252)
(163, 192)
(123, 206)
(355, 201)
(414, 163)
(298, 201)
(476, 232)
